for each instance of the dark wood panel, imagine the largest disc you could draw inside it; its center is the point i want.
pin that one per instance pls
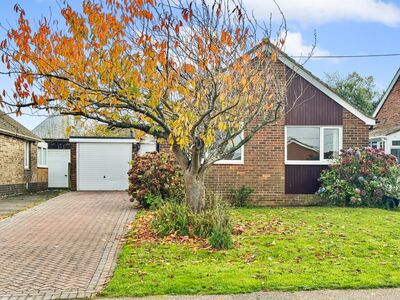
(302, 179)
(307, 105)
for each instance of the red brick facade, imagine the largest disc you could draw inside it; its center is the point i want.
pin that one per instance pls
(72, 172)
(264, 168)
(355, 132)
(388, 116)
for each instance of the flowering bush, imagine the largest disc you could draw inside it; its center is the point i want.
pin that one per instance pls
(154, 176)
(359, 177)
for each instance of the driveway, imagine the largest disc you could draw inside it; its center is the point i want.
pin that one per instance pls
(63, 248)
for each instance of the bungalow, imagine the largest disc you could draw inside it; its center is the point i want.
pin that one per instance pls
(386, 133)
(23, 158)
(282, 162)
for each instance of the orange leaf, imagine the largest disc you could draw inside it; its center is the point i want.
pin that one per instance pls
(189, 68)
(224, 36)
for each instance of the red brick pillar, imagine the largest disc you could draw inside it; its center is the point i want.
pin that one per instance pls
(73, 167)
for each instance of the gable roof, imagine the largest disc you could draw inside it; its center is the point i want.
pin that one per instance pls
(388, 90)
(323, 87)
(10, 127)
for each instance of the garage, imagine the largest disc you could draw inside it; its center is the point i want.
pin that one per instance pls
(100, 164)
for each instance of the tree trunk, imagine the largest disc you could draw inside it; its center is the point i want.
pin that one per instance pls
(193, 175)
(195, 191)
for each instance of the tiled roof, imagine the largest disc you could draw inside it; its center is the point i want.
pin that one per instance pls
(378, 132)
(8, 126)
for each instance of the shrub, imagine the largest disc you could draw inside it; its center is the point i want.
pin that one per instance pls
(213, 223)
(358, 177)
(172, 217)
(154, 175)
(240, 197)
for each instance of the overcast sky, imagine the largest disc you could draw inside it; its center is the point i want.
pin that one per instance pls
(342, 27)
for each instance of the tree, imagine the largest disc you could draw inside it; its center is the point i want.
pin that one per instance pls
(193, 74)
(359, 91)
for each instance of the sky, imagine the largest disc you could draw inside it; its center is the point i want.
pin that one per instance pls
(350, 27)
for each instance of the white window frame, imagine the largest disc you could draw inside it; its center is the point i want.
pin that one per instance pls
(321, 160)
(41, 154)
(27, 154)
(393, 147)
(380, 144)
(233, 161)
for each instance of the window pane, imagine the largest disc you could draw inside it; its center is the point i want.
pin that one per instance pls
(331, 143)
(395, 143)
(26, 154)
(39, 155)
(303, 143)
(44, 156)
(396, 152)
(237, 155)
(374, 144)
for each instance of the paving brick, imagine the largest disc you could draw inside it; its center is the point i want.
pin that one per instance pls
(63, 248)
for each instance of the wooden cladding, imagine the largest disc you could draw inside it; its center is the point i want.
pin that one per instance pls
(307, 105)
(302, 179)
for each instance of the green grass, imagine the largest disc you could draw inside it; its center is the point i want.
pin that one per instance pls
(281, 249)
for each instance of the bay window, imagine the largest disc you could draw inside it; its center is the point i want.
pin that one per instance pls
(312, 144)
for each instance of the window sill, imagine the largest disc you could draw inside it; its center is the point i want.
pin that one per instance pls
(42, 167)
(308, 163)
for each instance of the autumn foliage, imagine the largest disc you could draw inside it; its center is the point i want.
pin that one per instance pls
(196, 74)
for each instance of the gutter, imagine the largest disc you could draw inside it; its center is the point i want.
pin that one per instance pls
(21, 136)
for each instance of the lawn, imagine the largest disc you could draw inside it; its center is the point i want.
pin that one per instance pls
(280, 249)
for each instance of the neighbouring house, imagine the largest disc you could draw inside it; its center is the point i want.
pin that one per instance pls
(282, 163)
(82, 161)
(386, 133)
(23, 158)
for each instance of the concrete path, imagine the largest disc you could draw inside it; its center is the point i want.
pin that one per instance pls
(63, 248)
(372, 294)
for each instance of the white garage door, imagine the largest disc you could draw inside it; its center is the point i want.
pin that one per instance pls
(103, 166)
(57, 162)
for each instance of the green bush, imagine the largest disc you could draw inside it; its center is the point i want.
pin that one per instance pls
(360, 177)
(213, 223)
(154, 176)
(171, 217)
(240, 197)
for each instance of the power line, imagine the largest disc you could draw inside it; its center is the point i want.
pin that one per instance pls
(347, 56)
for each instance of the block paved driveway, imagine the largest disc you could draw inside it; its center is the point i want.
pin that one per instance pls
(63, 248)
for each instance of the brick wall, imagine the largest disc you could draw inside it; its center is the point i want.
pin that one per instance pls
(73, 167)
(355, 132)
(263, 168)
(11, 160)
(389, 114)
(13, 177)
